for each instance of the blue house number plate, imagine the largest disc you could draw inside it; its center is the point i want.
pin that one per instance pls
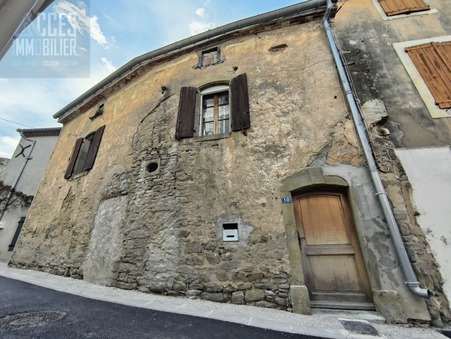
(286, 200)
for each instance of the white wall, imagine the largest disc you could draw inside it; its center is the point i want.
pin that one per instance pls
(31, 177)
(429, 172)
(28, 184)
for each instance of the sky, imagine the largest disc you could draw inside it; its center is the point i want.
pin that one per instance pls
(115, 32)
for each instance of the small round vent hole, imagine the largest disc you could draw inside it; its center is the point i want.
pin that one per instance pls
(152, 167)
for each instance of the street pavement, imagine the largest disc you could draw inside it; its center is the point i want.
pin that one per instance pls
(86, 310)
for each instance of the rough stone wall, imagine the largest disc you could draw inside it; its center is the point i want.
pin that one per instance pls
(396, 117)
(167, 238)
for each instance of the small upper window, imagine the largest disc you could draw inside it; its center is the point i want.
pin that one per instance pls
(84, 153)
(396, 7)
(215, 112)
(209, 57)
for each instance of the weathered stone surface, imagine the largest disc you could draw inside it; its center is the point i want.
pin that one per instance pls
(157, 287)
(213, 287)
(239, 276)
(300, 299)
(254, 295)
(219, 297)
(125, 286)
(245, 286)
(281, 301)
(192, 293)
(197, 286)
(254, 277)
(179, 286)
(270, 294)
(280, 280)
(392, 311)
(265, 304)
(272, 287)
(213, 258)
(238, 298)
(229, 289)
(193, 247)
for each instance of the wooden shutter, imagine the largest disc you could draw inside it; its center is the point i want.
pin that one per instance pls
(396, 7)
(73, 158)
(240, 103)
(433, 62)
(93, 149)
(186, 113)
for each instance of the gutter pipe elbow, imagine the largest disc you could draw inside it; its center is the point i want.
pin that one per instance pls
(417, 290)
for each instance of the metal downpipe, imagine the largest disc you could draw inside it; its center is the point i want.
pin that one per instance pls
(409, 274)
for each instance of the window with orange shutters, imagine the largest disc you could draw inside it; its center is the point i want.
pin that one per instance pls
(433, 62)
(396, 7)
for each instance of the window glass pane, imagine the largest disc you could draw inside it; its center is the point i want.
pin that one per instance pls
(223, 112)
(215, 114)
(224, 98)
(82, 154)
(223, 126)
(209, 101)
(208, 114)
(209, 128)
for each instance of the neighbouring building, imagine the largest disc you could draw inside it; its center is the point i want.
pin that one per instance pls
(224, 167)
(3, 163)
(20, 181)
(398, 54)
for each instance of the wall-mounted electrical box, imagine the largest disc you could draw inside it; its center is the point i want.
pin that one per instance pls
(230, 232)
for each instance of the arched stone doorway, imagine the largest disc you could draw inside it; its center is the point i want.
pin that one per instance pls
(326, 262)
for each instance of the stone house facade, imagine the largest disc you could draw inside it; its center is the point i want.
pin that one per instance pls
(20, 180)
(223, 167)
(408, 115)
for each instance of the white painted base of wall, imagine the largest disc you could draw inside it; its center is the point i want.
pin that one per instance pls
(428, 170)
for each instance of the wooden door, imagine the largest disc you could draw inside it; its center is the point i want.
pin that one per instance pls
(333, 265)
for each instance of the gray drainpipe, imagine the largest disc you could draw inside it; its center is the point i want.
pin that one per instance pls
(16, 181)
(411, 280)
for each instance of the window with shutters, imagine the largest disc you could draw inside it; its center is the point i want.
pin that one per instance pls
(433, 62)
(397, 7)
(427, 62)
(84, 154)
(214, 111)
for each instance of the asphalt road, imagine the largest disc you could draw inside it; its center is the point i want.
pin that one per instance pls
(29, 311)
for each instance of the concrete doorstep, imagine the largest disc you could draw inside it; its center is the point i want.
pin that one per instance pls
(333, 324)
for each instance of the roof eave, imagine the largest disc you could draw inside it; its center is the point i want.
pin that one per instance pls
(307, 8)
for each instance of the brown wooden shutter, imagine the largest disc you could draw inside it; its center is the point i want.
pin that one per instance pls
(396, 7)
(73, 158)
(433, 62)
(93, 149)
(240, 103)
(186, 113)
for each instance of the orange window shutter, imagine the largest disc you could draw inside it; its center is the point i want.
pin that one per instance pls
(396, 7)
(433, 62)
